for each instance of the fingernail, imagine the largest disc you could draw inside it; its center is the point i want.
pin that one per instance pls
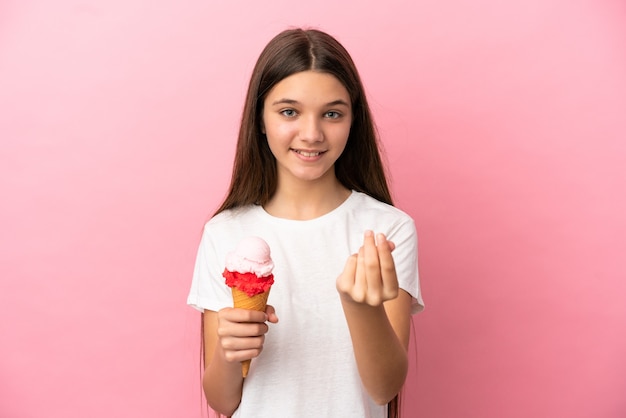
(369, 233)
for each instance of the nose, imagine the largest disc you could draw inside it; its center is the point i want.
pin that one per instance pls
(311, 130)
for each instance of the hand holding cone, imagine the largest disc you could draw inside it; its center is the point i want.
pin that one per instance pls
(249, 275)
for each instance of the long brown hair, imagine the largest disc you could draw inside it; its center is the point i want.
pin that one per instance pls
(359, 167)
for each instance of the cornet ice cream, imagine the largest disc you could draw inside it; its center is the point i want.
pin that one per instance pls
(248, 273)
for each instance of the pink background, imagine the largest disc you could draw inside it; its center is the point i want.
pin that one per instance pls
(504, 128)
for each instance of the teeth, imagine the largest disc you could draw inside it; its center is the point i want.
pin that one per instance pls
(309, 154)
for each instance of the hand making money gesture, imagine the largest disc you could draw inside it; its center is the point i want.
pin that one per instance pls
(369, 277)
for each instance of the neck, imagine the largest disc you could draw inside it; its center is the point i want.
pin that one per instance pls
(306, 200)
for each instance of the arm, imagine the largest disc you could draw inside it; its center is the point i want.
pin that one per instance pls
(378, 317)
(230, 336)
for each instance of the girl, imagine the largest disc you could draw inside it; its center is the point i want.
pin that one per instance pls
(308, 179)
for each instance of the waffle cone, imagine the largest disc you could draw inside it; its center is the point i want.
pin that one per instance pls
(255, 303)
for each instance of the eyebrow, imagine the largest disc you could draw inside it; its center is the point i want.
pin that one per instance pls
(338, 102)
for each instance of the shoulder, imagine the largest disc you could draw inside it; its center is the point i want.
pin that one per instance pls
(228, 221)
(231, 215)
(365, 205)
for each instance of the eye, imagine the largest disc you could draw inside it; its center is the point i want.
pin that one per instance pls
(332, 115)
(290, 113)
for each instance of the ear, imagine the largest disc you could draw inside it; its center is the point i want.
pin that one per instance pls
(262, 127)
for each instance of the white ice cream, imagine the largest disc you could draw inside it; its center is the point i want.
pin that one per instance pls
(252, 255)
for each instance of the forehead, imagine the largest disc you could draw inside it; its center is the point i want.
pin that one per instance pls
(309, 86)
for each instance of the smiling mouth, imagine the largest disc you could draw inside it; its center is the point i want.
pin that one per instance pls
(308, 154)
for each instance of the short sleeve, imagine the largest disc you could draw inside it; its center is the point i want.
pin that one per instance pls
(208, 290)
(404, 236)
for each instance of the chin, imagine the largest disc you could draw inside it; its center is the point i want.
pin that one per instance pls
(312, 176)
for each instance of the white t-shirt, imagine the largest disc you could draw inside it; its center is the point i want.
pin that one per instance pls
(307, 367)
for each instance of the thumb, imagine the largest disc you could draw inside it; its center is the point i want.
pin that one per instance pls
(271, 314)
(345, 281)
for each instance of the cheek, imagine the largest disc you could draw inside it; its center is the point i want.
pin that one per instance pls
(341, 134)
(277, 138)
(279, 131)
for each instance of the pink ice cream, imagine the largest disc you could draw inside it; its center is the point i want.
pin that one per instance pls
(249, 267)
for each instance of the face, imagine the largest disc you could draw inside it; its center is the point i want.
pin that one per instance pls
(307, 118)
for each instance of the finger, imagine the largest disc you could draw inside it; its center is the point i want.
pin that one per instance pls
(233, 322)
(240, 349)
(372, 270)
(359, 290)
(271, 314)
(371, 263)
(241, 329)
(345, 281)
(387, 268)
(242, 315)
(242, 343)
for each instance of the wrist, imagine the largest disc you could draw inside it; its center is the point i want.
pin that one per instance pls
(361, 309)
